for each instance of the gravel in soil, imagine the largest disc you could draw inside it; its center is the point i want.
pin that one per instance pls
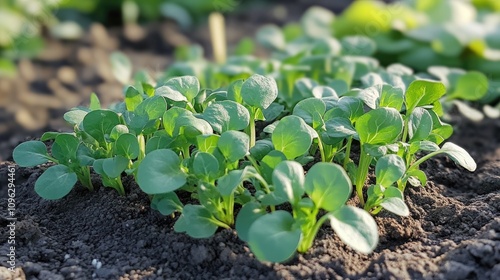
(453, 232)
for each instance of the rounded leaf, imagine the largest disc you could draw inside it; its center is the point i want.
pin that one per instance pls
(380, 126)
(127, 146)
(459, 156)
(56, 182)
(100, 123)
(328, 185)
(259, 91)
(389, 169)
(250, 212)
(234, 145)
(30, 153)
(226, 115)
(423, 92)
(292, 137)
(288, 180)
(273, 238)
(356, 228)
(160, 172)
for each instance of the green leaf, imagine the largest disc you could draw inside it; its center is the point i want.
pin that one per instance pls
(394, 202)
(234, 91)
(64, 148)
(100, 123)
(207, 143)
(392, 97)
(113, 167)
(75, 116)
(273, 237)
(117, 131)
(292, 137)
(226, 115)
(121, 67)
(259, 91)
(356, 228)
(471, 86)
(132, 98)
(196, 221)
(389, 169)
(459, 156)
(234, 145)
(288, 180)
(127, 146)
(261, 149)
(422, 93)
(308, 107)
(269, 163)
(248, 214)
(154, 107)
(30, 153)
(166, 203)
(380, 126)
(419, 125)
(160, 172)
(317, 22)
(183, 88)
(347, 107)
(271, 37)
(46, 136)
(158, 142)
(205, 164)
(419, 175)
(328, 185)
(95, 104)
(56, 182)
(339, 127)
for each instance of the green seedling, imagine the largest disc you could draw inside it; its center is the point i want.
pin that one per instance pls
(276, 236)
(72, 159)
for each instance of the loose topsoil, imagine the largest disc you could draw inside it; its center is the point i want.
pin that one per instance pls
(453, 232)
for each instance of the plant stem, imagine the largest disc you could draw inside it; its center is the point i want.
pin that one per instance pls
(185, 151)
(308, 237)
(119, 186)
(142, 147)
(321, 150)
(347, 152)
(363, 166)
(252, 128)
(405, 130)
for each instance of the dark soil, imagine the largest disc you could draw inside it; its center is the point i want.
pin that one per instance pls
(453, 232)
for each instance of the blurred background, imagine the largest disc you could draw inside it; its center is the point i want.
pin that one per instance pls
(55, 53)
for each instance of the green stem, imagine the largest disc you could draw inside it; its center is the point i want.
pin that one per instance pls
(363, 166)
(347, 152)
(219, 223)
(424, 158)
(405, 130)
(252, 128)
(254, 163)
(321, 150)
(185, 151)
(119, 186)
(309, 236)
(142, 147)
(229, 205)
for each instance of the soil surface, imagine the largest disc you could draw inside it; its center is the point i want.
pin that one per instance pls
(453, 232)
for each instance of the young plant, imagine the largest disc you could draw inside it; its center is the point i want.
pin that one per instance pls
(276, 236)
(383, 195)
(377, 128)
(72, 159)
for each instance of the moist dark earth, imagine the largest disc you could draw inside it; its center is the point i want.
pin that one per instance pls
(453, 231)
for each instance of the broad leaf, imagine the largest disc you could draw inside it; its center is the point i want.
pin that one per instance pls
(234, 145)
(308, 107)
(166, 203)
(356, 228)
(380, 126)
(419, 125)
(121, 67)
(64, 148)
(459, 156)
(227, 115)
(259, 91)
(423, 92)
(196, 221)
(292, 137)
(113, 167)
(160, 172)
(248, 214)
(205, 164)
(99, 124)
(30, 153)
(273, 237)
(56, 182)
(389, 169)
(288, 180)
(328, 186)
(132, 98)
(127, 146)
(183, 88)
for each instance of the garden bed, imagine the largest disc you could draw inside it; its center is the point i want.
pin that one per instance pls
(453, 231)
